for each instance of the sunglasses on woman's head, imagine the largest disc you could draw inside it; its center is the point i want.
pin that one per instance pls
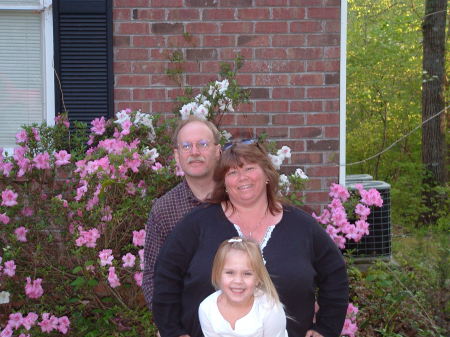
(248, 141)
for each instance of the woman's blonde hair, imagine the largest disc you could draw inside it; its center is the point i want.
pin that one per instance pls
(253, 252)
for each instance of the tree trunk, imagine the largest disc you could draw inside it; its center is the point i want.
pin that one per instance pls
(433, 102)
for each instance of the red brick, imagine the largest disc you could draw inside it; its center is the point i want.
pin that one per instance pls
(272, 106)
(271, 3)
(255, 67)
(252, 119)
(149, 41)
(284, 66)
(327, 92)
(201, 3)
(200, 79)
(167, 3)
(226, 119)
(231, 53)
(245, 108)
(183, 14)
(272, 132)
(288, 13)
(122, 67)
(313, 184)
(144, 106)
(162, 80)
(132, 80)
(160, 107)
(131, 54)
(271, 53)
(236, 3)
(331, 105)
(306, 27)
(305, 132)
(202, 28)
(150, 14)
(317, 197)
(253, 13)
(324, 13)
(271, 80)
(219, 41)
(323, 40)
(307, 79)
(210, 66)
(133, 28)
(258, 93)
(322, 145)
(121, 14)
(291, 40)
(218, 14)
(306, 3)
(332, 132)
(122, 94)
(306, 106)
(305, 53)
(245, 80)
(121, 41)
(201, 54)
(167, 28)
(331, 157)
(160, 54)
(254, 40)
(323, 119)
(288, 119)
(236, 27)
(148, 94)
(295, 145)
(179, 41)
(331, 52)
(130, 3)
(271, 27)
(328, 171)
(288, 93)
(333, 26)
(318, 65)
(174, 93)
(332, 78)
(307, 158)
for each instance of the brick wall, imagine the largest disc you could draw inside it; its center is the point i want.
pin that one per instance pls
(291, 52)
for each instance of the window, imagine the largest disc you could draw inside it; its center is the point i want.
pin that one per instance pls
(26, 71)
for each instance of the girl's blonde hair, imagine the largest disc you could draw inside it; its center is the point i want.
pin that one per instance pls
(253, 252)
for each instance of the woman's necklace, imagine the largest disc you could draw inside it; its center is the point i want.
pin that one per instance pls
(255, 227)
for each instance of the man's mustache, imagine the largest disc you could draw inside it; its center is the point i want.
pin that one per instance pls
(199, 158)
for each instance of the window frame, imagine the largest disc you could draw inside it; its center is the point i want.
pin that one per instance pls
(45, 7)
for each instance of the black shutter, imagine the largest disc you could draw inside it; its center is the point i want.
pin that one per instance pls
(83, 58)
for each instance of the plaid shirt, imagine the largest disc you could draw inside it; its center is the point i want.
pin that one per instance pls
(165, 214)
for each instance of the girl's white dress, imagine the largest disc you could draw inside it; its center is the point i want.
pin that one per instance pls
(264, 319)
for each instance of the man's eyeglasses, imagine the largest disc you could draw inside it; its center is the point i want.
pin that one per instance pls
(249, 141)
(201, 145)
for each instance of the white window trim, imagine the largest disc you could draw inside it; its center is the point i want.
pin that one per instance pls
(46, 9)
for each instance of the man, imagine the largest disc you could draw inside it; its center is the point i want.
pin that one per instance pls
(196, 150)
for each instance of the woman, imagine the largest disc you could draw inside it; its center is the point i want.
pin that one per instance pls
(299, 255)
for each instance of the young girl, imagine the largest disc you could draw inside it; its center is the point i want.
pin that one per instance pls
(246, 303)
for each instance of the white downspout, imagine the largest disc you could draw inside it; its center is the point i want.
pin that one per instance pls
(343, 94)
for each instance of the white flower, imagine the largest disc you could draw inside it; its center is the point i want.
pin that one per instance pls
(299, 173)
(207, 103)
(226, 135)
(212, 91)
(200, 98)
(187, 109)
(201, 112)
(284, 152)
(152, 154)
(276, 161)
(222, 86)
(4, 297)
(222, 104)
(122, 116)
(284, 183)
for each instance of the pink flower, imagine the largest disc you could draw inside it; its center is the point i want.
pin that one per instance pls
(138, 278)
(62, 120)
(141, 258)
(98, 126)
(349, 328)
(134, 163)
(362, 211)
(27, 211)
(130, 188)
(4, 218)
(128, 260)
(15, 320)
(126, 125)
(112, 278)
(42, 161)
(62, 158)
(139, 238)
(6, 168)
(21, 234)
(324, 218)
(7, 332)
(9, 198)
(48, 324)
(352, 311)
(34, 289)
(63, 324)
(87, 238)
(106, 257)
(157, 166)
(371, 197)
(363, 227)
(36, 135)
(339, 192)
(9, 268)
(30, 320)
(21, 137)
